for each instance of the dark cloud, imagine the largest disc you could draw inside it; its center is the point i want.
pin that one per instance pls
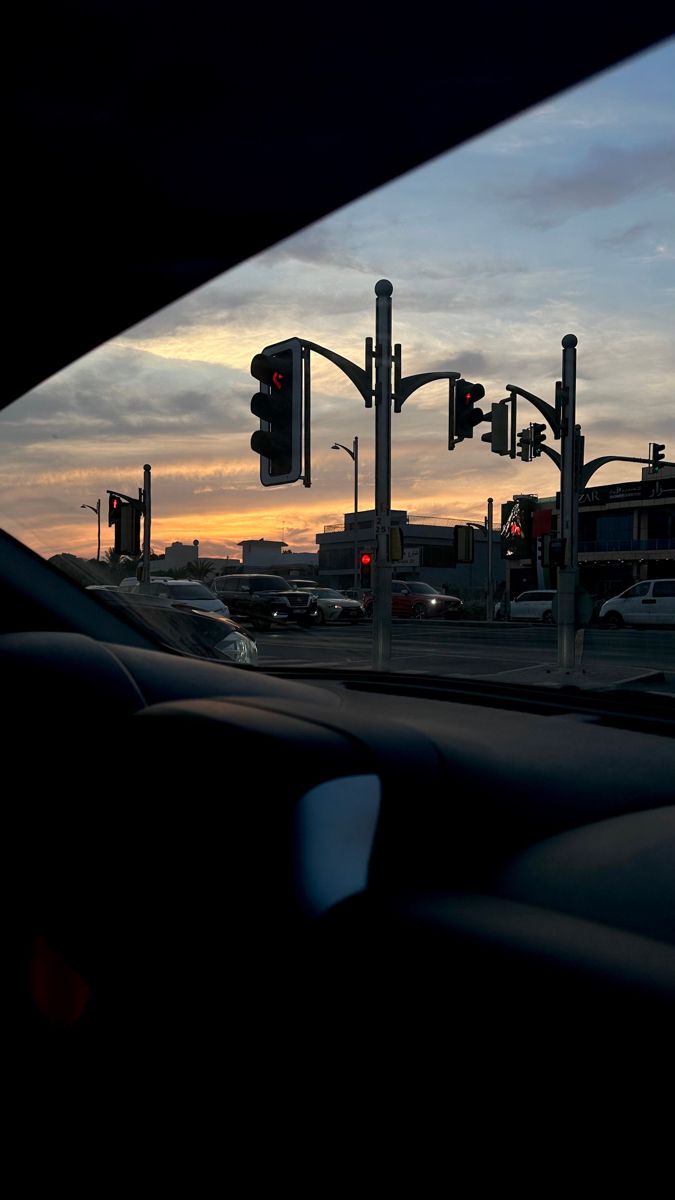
(635, 433)
(126, 391)
(625, 237)
(608, 175)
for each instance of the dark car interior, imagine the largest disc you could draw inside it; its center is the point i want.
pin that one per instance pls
(373, 887)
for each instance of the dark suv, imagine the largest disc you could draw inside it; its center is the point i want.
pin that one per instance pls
(266, 600)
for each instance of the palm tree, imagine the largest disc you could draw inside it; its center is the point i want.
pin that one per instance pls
(201, 570)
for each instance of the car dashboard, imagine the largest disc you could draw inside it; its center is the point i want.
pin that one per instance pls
(300, 853)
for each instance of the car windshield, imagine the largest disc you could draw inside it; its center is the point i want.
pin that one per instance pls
(533, 263)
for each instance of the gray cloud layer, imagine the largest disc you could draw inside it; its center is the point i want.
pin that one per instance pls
(607, 175)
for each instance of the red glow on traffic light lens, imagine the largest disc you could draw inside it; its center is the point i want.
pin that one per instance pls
(365, 559)
(277, 380)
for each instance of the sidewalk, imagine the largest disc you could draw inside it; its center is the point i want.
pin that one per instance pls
(596, 677)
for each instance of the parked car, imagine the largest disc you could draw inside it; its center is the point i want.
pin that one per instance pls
(267, 600)
(333, 606)
(650, 602)
(211, 635)
(418, 600)
(130, 582)
(528, 606)
(181, 591)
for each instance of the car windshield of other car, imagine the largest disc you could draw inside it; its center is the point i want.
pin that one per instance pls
(557, 222)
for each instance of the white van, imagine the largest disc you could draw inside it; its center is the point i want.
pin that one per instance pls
(651, 602)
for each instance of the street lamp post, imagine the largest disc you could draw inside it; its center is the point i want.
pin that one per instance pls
(96, 510)
(354, 455)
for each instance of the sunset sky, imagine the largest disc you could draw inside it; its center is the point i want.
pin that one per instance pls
(559, 221)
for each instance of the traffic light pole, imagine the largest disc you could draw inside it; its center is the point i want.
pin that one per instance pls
(383, 401)
(382, 393)
(574, 476)
(569, 505)
(145, 575)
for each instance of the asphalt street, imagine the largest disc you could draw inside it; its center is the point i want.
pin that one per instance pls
(458, 648)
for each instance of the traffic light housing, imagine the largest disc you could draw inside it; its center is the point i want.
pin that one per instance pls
(656, 455)
(129, 531)
(396, 543)
(125, 515)
(498, 437)
(464, 544)
(537, 436)
(279, 407)
(467, 416)
(114, 510)
(524, 445)
(365, 564)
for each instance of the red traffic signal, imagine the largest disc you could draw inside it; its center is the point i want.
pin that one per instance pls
(365, 563)
(467, 416)
(114, 510)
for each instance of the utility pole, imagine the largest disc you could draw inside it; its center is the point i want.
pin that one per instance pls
(96, 510)
(354, 455)
(489, 616)
(383, 399)
(569, 502)
(145, 576)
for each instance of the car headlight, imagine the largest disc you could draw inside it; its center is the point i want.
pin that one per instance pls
(238, 648)
(434, 601)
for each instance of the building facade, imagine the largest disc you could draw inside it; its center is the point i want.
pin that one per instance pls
(626, 533)
(429, 553)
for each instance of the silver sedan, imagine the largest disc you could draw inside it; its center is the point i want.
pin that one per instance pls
(333, 606)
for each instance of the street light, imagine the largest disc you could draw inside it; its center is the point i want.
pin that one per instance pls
(354, 455)
(96, 510)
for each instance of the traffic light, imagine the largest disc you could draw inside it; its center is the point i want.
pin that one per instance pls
(279, 407)
(466, 415)
(524, 445)
(516, 529)
(536, 438)
(656, 455)
(396, 543)
(499, 434)
(114, 510)
(464, 544)
(129, 530)
(365, 562)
